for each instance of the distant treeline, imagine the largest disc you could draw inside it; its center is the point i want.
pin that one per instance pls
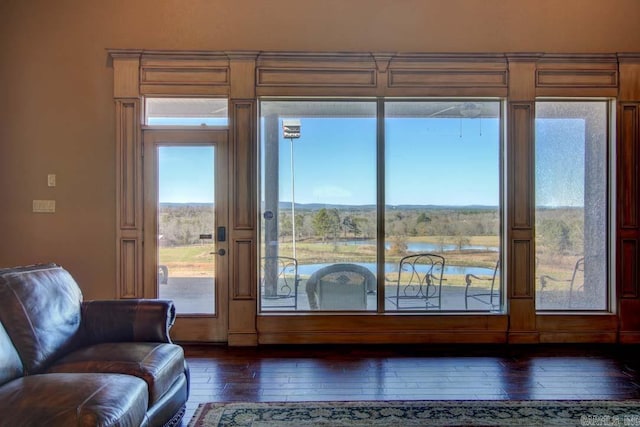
(182, 223)
(335, 223)
(561, 229)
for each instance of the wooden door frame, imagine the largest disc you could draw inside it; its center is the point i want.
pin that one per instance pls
(188, 327)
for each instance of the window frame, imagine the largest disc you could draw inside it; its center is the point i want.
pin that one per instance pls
(611, 200)
(145, 118)
(380, 202)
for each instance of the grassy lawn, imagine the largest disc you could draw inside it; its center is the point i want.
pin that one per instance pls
(188, 261)
(195, 260)
(198, 260)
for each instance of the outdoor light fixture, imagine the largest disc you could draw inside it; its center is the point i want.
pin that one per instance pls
(291, 131)
(291, 128)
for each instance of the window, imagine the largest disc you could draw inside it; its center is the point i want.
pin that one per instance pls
(318, 205)
(324, 162)
(443, 192)
(186, 112)
(572, 209)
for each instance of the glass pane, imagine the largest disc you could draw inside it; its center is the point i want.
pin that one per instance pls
(186, 112)
(319, 167)
(442, 213)
(571, 205)
(186, 248)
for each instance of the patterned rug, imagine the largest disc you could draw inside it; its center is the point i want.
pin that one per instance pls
(420, 413)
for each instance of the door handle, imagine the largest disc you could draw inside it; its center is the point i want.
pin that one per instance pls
(221, 251)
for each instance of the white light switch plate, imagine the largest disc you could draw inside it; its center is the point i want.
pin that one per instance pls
(44, 206)
(51, 180)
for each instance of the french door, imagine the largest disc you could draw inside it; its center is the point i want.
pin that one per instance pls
(185, 242)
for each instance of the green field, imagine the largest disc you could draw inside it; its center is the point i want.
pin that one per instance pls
(195, 260)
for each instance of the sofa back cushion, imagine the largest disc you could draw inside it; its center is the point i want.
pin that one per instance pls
(40, 312)
(10, 364)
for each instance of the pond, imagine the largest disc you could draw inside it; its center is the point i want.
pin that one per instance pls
(421, 246)
(308, 269)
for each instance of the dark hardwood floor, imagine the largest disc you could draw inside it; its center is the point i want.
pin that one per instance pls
(419, 372)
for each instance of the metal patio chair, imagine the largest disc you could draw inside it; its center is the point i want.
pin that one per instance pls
(489, 296)
(576, 282)
(419, 282)
(280, 282)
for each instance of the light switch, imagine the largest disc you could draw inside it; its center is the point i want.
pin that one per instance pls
(51, 180)
(44, 206)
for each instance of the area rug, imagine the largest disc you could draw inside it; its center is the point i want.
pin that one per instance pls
(420, 413)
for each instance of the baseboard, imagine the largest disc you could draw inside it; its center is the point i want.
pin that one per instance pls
(523, 337)
(242, 339)
(629, 337)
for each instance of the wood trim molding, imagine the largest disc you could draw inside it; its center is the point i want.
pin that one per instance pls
(396, 337)
(243, 189)
(628, 203)
(242, 323)
(315, 77)
(629, 68)
(301, 74)
(628, 318)
(404, 77)
(627, 164)
(522, 86)
(577, 78)
(126, 67)
(128, 200)
(518, 77)
(521, 272)
(129, 255)
(244, 280)
(629, 257)
(376, 329)
(520, 119)
(628, 337)
(183, 75)
(243, 71)
(242, 339)
(128, 191)
(577, 75)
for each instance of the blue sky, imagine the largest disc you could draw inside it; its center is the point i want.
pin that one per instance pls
(186, 174)
(437, 161)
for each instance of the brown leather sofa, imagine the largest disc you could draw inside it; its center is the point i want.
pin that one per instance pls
(65, 362)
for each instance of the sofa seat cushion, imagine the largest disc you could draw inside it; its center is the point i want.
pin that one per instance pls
(159, 364)
(73, 400)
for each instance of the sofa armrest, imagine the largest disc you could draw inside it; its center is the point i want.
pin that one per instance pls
(127, 320)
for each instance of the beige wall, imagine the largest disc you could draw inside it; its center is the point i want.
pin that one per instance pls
(56, 113)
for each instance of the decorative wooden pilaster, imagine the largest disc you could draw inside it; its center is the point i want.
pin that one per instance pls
(243, 200)
(520, 252)
(129, 216)
(628, 199)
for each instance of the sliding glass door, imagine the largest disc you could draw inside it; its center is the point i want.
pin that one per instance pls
(371, 205)
(442, 205)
